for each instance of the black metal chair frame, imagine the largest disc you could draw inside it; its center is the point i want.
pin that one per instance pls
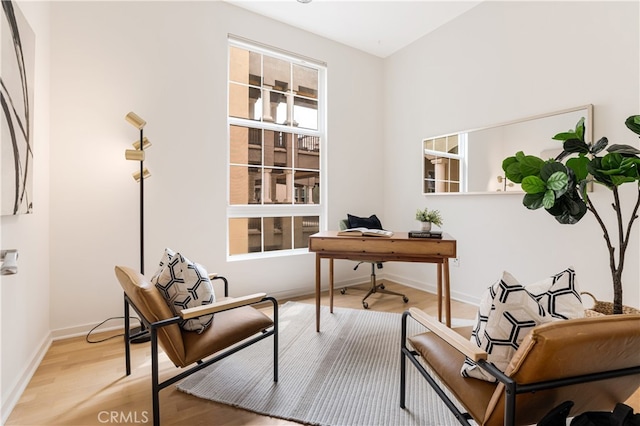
(375, 287)
(152, 329)
(512, 388)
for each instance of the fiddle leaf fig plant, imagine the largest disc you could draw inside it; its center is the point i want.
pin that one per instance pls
(560, 186)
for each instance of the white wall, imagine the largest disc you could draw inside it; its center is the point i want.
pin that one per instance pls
(502, 61)
(24, 312)
(167, 61)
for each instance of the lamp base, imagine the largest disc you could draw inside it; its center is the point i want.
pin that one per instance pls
(142, 338)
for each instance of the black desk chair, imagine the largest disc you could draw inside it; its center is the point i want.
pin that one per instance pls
(375, 287)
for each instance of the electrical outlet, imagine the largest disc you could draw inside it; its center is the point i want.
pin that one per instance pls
(456, 261)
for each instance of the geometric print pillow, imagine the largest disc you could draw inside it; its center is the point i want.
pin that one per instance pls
(559, 295)
(166, 257)
(500, 329)
(185, 284)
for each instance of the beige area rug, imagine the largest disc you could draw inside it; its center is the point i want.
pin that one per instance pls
(348, 374)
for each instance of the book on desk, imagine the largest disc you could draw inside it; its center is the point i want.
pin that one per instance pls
(425, 234)
(366, 232)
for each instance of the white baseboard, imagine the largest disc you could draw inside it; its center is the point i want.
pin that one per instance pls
(431, 288)
(418, 285)
(15, 392)
(82, 330)
(306, 291)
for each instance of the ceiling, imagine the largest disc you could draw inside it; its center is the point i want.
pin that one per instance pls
(377, 27)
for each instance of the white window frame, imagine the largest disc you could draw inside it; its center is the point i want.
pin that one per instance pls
(279, 210)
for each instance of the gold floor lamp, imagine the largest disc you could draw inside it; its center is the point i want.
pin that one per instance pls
(139, 334)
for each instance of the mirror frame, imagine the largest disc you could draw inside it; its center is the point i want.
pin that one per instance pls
(588, 139)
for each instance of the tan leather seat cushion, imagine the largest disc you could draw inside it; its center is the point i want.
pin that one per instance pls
(229, 327)
(446, 363)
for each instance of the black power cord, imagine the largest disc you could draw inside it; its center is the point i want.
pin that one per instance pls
(110, 337)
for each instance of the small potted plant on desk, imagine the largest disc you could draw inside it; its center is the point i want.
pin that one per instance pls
(562, 187)
(428, 217)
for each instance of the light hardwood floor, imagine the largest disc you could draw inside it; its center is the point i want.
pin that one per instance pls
(79, 383)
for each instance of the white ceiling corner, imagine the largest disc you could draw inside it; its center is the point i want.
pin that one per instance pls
(374, 26)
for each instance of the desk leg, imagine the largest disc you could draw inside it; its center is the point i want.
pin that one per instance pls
(447, 291)
(317, 292)
(439, 290)
(331, 285)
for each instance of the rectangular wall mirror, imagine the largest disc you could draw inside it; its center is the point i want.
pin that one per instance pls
(470, 161)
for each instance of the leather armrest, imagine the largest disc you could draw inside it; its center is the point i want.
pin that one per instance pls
(223, 305)
(454, 339)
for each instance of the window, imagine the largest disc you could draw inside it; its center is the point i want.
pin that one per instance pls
(276, 133)
(444, 163)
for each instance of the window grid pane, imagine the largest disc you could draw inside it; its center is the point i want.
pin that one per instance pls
(256, 234)
(272, 164)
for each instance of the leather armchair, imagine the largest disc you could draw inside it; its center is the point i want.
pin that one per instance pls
(236, 325)
(592, 361)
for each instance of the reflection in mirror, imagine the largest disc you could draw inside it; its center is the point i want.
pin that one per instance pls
(470, 161)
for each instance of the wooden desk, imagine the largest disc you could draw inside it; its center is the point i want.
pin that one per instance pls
(398, 248)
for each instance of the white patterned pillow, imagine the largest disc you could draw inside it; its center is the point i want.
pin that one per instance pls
(485, 306)
(559, 295)
(513, 313)
(185, 284)
(167, 255)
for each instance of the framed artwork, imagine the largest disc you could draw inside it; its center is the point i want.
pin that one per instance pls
(17, 57)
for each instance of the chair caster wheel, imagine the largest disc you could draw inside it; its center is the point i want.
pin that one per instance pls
(366, 305)
(343, 291)
(405, 299)
(381, 286)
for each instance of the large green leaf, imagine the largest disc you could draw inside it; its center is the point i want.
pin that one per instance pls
(513, 173)
(533, 201)
(631, 162)
(550, 167)
(565, 136)
(533, 185)
(576, 145)
(624, 149)
(569, 209)
(579, 166)
(633, 123)
(594, 167)
(530, 165)
(511, 167)
(549, 199)
(558, 182)
(611, 161)
(580, 129)
(507, 162)
(618, 169)
(618, 180)
(577, 133)
(599, 146)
